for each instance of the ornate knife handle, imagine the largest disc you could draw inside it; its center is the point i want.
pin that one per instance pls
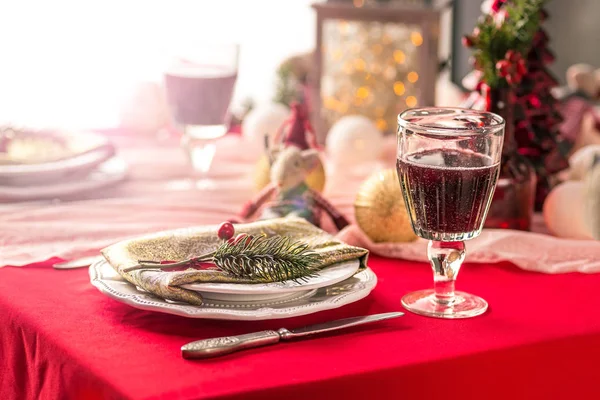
(228, 344)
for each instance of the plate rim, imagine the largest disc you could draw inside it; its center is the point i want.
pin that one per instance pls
(86, 159)
(147, 302)
(275, 289)
(59, 189)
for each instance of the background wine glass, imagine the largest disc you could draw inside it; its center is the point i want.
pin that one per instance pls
(448, 163)
(199, 85)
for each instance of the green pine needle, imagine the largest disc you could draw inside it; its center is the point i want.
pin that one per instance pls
(286, 86)
(270, 259)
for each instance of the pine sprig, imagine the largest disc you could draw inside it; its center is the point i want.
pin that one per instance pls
(494, 39)
(274, 258)
(259, 258)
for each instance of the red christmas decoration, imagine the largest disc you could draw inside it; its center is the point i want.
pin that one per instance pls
(536, 111)
(301, 133)
(512, 68)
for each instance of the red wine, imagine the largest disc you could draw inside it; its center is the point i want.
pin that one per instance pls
(447, 192)
(198, 94)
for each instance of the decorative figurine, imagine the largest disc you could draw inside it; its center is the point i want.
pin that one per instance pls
(581, 124)
(290, 192)
(295, 132)
(301, 133)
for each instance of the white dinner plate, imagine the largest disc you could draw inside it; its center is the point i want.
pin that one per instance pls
(55, 171)
(105, 174)
(325, 277)
(350, 290)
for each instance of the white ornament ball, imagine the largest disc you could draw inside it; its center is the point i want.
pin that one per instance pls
(564, 211)
(354, 139)
(263, 120)
(592, 201)
(580, 163)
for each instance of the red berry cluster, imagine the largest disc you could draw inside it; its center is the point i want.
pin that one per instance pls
(226, 232)
(512, 67)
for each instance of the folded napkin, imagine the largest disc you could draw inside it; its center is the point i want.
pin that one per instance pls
(183, 244)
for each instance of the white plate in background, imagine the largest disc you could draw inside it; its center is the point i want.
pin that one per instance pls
(108, 173)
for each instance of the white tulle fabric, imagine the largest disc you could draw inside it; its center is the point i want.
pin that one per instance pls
(530, 251)
(147, 202)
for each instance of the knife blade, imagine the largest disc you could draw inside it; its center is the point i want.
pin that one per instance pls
(220, 346)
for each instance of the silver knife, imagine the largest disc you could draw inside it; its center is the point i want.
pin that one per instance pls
(228, 344)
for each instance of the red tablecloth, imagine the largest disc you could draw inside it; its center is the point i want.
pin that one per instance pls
(60, 339)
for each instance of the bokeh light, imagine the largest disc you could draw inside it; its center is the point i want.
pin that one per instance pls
(399, 88)
(399, 56)
(416, 38)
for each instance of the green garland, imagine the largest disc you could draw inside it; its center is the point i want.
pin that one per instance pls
(286, 86)
(491, 41)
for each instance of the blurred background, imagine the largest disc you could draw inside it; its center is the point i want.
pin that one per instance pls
(126, 98)
(77, 63)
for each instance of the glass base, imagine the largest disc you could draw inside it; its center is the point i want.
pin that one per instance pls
(190, 184)
(464, 305)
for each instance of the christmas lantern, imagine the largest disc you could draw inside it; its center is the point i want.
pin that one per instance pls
(373, 58)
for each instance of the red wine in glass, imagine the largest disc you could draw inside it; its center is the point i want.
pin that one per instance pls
(447, 191)
(199, 95)
(448, 165)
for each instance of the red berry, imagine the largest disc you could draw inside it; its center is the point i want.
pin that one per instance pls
(521, 68)
(242, 237)
(511, 55)
(503, 66)
(467, 41)
(496, 4)
(226, 231)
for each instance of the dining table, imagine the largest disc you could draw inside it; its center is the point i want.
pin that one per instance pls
(61, 338)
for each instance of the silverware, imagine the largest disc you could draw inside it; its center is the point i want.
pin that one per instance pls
(228, 344)
(77, 263)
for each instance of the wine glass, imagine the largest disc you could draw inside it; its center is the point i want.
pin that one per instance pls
(448, 164)
(199, 85)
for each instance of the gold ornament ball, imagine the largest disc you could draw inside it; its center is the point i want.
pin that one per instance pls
(379, 209)
(262, 175)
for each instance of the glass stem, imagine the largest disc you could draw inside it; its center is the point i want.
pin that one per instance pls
(200, 148)
(446, 259)
(201, 158)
